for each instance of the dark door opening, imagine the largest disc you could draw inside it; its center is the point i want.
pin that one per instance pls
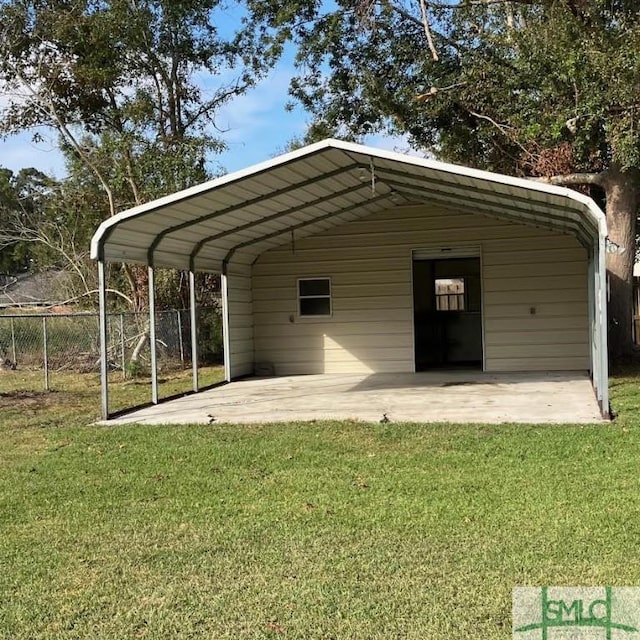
(447, 313)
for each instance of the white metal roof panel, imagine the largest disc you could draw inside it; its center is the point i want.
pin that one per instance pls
(314, 188)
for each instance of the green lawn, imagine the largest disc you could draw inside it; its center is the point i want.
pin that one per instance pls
(318, 530)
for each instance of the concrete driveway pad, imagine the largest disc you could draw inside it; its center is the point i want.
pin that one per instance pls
(455, 396)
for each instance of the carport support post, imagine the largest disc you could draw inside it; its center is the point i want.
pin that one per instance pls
(194, 326)
(102, 326)
(225, 322)
(594, 334)
(602, 311)
(152, 335)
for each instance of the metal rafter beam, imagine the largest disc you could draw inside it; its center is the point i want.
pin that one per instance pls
(507, 198)
(301, 225)
(244, 204)
(276, 216)
(160, 204)
(495, 210)
(452, 184)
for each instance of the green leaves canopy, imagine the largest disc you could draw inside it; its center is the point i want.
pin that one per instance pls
(513, 79)
(134, 84)
(132, 88)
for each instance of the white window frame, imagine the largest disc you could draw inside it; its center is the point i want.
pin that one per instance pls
(328, 296)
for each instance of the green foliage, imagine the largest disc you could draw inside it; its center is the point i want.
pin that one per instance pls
(23, 196)
(133, 90)
(14, 255)
(135, 369)
(511, 80)
(123, 67)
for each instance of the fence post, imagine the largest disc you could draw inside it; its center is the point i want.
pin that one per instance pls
(45, 353)
(124, 370)
(13, 342)
(179, 318)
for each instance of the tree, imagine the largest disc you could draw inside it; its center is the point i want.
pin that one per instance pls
(131, 87)
(14, 255)
(536, 88)
(47, 224)
(34, 235)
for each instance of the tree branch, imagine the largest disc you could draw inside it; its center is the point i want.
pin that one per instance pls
(573, 179)
(88, 293)
(410, 18)
(487, 3)
(59, 123)
(427, 30)
(504, 129)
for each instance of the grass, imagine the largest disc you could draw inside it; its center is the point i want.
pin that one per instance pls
(76, 397)
(312, 530)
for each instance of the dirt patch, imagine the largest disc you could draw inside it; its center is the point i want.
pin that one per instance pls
(31, 399)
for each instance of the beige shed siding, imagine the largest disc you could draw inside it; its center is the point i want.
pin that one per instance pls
(240, 320)
(369, 263)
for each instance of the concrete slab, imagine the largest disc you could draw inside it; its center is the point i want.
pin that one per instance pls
(453, 396)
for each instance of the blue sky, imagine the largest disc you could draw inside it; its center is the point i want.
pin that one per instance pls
(256, 127)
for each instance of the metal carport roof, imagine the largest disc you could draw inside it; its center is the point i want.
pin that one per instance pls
(304, 192)
(239, 216)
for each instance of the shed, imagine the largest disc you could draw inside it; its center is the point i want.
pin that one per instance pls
(342, 258)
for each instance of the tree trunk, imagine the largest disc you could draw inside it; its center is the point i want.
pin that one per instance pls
(622, 190)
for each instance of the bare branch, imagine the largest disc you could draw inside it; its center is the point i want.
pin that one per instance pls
(573, 179)
(88, 293)
(220, 98)
(427, 30)
(505, 129)
(410, 18)
(22, 228)
(434, 91)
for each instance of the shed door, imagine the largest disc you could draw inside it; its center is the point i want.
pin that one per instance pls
(447, 313)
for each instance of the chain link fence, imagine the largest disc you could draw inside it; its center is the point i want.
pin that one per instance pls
(70, 343)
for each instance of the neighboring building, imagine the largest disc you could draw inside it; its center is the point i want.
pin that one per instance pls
(31, 289)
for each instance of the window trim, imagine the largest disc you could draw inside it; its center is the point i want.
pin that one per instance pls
(328, 296)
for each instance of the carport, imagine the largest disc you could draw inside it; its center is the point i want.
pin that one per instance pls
(226, 225)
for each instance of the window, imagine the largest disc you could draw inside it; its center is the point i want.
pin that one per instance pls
(450, 294)
(314, 297)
